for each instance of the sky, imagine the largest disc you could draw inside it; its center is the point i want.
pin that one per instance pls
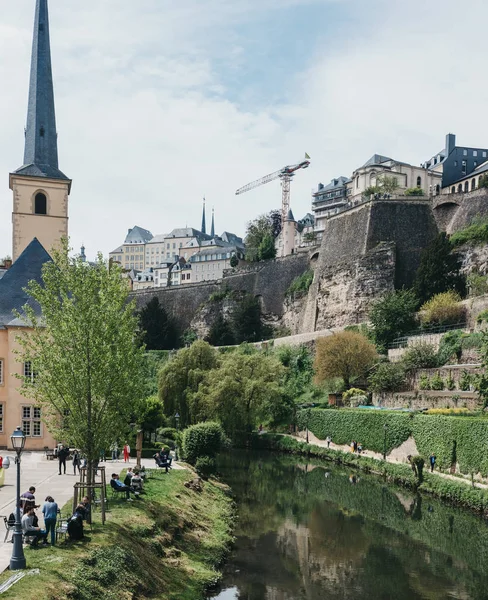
(161, 103)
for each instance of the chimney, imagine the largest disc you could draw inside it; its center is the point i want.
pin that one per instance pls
(450, 143)
(7, 263)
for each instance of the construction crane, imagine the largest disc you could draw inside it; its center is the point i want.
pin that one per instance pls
(285, 174)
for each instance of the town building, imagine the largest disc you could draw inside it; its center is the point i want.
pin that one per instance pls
(211, 261)
(470, 182)
(131, 255)
(295, 235)
(327, 200)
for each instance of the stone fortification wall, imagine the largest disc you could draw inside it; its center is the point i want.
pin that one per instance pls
(342, 294)
(366, 251)
(268, 281)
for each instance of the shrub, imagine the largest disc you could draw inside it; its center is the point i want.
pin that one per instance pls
(450, 384)
(418, 465)
(387, 377)
(450, 347)
(475, 233)
(393, 316)
(351, 392)
(472, 340)
(482, 317)
(205, 466)
(202, 439)
(465, 381)
(299, 286)
(443, 309)
(420, 356)
(169, 433)
(437, 383)
(416, 191)
(477, 284)
(424, 382)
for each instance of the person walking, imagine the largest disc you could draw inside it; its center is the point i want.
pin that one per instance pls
(76, 461)
(432, 459)
(328, 439)
(126, 452)
(63, 454)
(50, 512)
(114, 449)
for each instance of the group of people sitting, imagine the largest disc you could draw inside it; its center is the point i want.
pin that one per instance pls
(163, 458)
(132, 484)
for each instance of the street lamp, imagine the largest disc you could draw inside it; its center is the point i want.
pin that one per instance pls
(17, 560)
(385, 427)
(177, 421)
(308, 421)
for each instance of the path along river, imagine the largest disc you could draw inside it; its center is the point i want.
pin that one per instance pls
(311, 531)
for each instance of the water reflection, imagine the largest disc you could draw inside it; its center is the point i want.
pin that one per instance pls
(311, 532)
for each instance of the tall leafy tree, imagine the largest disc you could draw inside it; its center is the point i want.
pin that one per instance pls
(265, 226)
(87, 363)
(393, 316)
(158, 331)
(180, 378)
(267, 249)
(346, 354)
(439, 271)
(246, 320)
(220, 333)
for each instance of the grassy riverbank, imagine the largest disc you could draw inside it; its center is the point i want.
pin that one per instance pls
(167, 545)
(458, 493)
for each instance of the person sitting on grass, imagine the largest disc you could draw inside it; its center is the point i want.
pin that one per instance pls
(117, 485)
(33, 532)
(75, 523)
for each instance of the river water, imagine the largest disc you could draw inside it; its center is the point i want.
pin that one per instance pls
(311, 531)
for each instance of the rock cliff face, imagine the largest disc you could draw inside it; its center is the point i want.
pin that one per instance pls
(206, 315)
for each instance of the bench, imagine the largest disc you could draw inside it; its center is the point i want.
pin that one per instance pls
(49, 453)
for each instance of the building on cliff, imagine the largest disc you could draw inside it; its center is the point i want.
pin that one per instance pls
(40, 220)
(295, 236)
(327, 200)
(456, 164)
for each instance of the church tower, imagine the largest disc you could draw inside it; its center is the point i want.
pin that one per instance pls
(40, 189)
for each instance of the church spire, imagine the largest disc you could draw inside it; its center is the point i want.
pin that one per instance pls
(204, 225)
(41, 144)
(212, 230)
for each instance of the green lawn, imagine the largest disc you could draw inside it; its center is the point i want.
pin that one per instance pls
(165, 545)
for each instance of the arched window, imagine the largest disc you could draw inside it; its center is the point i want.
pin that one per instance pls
(460, 188)
(473, 184)
(466, 186)
(40, 204)
(419, 181)
(437, 189)
(453, 191)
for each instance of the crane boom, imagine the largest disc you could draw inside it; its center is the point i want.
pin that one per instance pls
(285, 174)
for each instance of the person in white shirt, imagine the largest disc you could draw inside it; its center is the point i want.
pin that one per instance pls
(33, 532)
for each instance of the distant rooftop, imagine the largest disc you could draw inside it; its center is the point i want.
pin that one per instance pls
(138, 235)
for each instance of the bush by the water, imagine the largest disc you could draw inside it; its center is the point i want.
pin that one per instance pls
(202, 439)
(205, 466)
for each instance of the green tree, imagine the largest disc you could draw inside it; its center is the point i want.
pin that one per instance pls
(234, 261)
(87, 364)
(150, 415)
(298, 362)
(387, 184)
(220, 333)
(393, 316)
(346, 354)
(246, 320)
(257, 229)
(179, 380)
(439, 271)
(267, 248)
(157, 329)
(387, 377)
(245, 391)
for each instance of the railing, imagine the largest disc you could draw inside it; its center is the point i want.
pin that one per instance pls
(402, 342)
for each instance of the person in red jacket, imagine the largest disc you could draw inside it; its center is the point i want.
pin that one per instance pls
(126, 452)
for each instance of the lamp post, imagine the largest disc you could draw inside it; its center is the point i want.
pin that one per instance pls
(385, 427)
(17, 560)
(177, 422)
(308, 421)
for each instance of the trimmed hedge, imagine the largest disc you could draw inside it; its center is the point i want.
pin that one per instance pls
(462, 440)
(364, 426)
(202, 439)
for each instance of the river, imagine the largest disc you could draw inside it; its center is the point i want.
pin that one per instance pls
(308, 530)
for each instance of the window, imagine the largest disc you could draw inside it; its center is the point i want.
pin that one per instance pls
(465, 153)
(475, 163)
(419, 181)
(1, 371)
(437, 189)
(463, 167)
(29, 372)
(1, 417)
(473, 184)
(484, 154)
(475, 152)
(455, 163)
(31, 421)
(466, 186)
(460, 188)
(40, 204)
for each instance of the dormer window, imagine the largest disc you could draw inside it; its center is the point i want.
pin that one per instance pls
(40, 204)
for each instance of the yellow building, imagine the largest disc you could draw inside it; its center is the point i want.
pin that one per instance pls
(39, 221)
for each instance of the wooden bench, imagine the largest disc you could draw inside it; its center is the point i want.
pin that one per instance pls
(49, 453)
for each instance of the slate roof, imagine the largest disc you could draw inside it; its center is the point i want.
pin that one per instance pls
(289, 216)
(138, 235)
(376, 159)
(26, 268)
(117, 250)
(232, 238)
(41, 138)
(187, 232)
(157, 239)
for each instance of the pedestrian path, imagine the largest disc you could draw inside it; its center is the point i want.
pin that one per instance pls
(43, 474)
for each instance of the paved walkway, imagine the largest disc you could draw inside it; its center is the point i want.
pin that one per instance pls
(398, 455)
(43, 474)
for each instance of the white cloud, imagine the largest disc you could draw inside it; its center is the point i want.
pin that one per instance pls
(148, 122)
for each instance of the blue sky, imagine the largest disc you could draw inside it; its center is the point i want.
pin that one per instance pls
(159, 103)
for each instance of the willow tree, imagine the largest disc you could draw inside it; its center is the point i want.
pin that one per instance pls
(81, 343)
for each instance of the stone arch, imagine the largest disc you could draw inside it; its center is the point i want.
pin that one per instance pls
(453, 189)
(460, 189)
